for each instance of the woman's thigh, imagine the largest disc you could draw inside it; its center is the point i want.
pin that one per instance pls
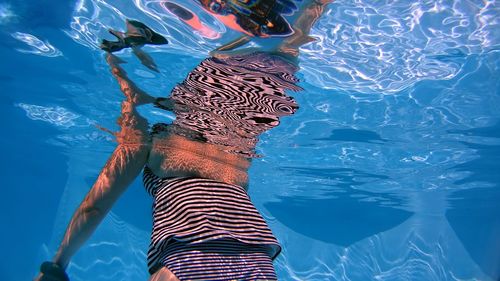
(163, 275)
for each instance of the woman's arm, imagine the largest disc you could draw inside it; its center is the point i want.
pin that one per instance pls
(126, 162)
(302, 27)
(289, 47)
(121, 169)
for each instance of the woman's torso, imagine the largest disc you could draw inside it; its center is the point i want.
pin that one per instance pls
(221, 108)
(173, 155)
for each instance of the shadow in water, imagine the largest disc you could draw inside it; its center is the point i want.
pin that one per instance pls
(354, 135)
(474, 213)
(343, 217)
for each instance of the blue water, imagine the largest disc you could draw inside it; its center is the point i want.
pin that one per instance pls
(388, 171)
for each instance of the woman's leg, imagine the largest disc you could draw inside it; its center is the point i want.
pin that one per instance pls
(302, 26)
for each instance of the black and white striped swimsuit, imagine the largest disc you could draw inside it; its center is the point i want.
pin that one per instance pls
(208, 230)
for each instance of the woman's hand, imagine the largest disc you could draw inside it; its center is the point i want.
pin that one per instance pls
(51, 271)
(44, 277)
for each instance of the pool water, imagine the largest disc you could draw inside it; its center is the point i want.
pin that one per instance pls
(388, 171)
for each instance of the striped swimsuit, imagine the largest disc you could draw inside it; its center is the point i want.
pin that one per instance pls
(208, 230)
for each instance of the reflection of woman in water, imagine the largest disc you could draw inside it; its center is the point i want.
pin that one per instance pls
(204, 224)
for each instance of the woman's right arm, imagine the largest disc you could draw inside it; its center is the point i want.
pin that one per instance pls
(121, 169)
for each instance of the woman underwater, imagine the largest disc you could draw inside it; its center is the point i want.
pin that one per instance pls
(196, 169)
